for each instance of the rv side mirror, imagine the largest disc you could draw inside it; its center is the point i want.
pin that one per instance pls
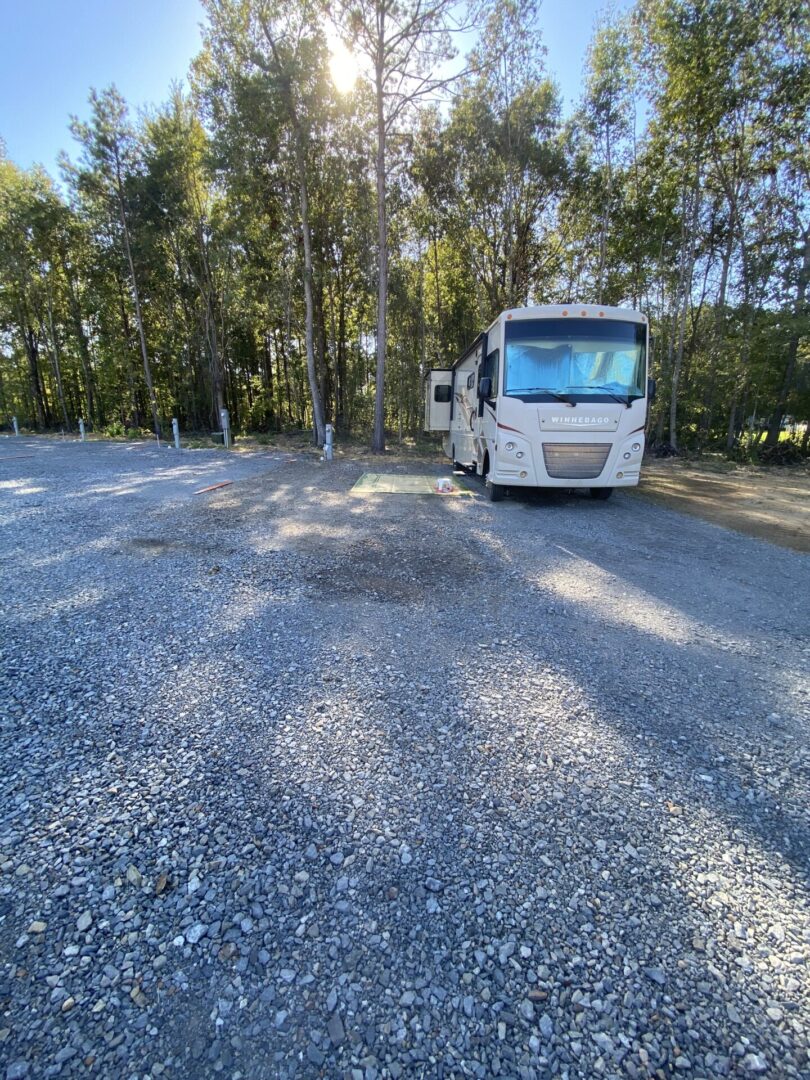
(485, 387)
(651, 390)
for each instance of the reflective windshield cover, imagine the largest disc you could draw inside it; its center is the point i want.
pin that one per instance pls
(577, 359)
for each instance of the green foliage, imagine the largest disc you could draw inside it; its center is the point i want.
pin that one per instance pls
(679, 185)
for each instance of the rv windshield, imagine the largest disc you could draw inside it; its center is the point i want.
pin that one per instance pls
(547, 359)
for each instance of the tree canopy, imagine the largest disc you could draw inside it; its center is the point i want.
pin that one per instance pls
(266, 243)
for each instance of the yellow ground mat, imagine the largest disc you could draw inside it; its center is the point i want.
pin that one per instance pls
(398, 484)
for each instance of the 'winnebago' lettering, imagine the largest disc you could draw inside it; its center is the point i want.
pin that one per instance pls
(580, 421)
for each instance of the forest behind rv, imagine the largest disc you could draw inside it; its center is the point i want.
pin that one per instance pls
(302, 254)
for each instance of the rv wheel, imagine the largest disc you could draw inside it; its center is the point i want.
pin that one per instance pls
(495, 492)
(601, 493)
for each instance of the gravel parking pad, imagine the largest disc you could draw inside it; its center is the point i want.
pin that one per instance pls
(297, 783)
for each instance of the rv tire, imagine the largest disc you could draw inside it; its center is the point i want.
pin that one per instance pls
(495, 492)
(601, 493)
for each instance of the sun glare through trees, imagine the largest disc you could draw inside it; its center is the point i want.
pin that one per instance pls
(341, 200)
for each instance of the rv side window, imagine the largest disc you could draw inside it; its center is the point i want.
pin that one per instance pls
(471, 380)
(441, 394)
(489, 370)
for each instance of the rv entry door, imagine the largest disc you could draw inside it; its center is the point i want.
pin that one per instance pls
(438, 399)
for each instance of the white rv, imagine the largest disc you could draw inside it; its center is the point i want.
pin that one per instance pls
(551, 396)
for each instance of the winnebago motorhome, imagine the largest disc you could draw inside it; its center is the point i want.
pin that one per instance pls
(551, 396)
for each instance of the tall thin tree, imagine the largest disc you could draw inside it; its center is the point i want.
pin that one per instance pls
(404, 41)
(110, 154)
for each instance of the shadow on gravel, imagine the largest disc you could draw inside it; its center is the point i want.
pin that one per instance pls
(500, 742)
(448, 770)
(669, 646)
(678, 799)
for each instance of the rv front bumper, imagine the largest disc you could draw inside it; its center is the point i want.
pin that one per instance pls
(570, 464)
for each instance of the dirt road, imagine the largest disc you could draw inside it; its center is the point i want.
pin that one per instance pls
(771, 504)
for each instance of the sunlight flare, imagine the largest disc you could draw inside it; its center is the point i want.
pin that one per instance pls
(342, 66)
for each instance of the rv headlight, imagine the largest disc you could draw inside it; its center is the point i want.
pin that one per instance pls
(510, 446)
(627, 456)
(519, 454)
(636, 447)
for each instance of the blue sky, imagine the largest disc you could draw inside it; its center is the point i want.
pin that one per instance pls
(53, 51)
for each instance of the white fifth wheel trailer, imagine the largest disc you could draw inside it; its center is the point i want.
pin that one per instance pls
(552, 396)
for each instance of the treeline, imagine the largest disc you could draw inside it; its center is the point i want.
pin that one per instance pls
(299, 255)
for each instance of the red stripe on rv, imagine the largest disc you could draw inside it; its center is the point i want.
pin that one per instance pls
(506, 427)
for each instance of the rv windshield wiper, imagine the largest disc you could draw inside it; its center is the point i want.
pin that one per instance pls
(543, 390)
(605, 390)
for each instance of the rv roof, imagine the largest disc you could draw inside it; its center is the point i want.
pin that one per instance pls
(574, 311)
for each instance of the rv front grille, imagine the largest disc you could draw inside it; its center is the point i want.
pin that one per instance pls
(575, 461)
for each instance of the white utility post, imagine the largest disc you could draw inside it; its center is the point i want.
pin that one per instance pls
(176, 431)
(16, 425)
(226, 428)
(81, 428)
(328, 448)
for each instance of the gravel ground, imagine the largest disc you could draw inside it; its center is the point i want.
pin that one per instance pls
(301, 783)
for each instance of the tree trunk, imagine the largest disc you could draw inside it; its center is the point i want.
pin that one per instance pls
(741, 383)
(282, 383)
(340, 359)
(319, 432)
(205, 285)
(57, 366)
(731, 430)
(322, 353)
(133, 394)
(32, 355)
(439, 317)
(286, 354)
(684, 288)
(775, 423)
(718, 338)
(147, 371)
(600, 287)
(312, 374)
(84, 349)
(217, 387)
(378, 437)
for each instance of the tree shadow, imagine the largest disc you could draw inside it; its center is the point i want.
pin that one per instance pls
(434, 721)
